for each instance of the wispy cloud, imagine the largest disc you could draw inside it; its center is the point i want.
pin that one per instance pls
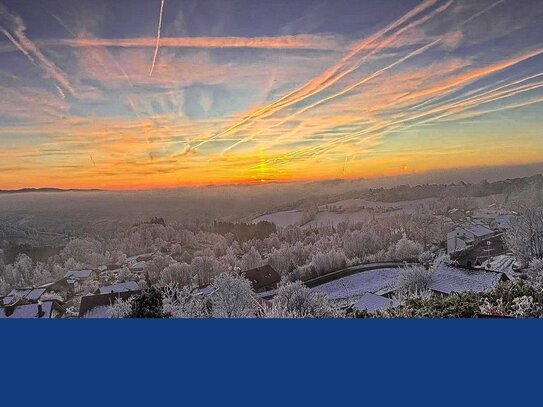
(300, 42)
(424, 90)
(19, 39)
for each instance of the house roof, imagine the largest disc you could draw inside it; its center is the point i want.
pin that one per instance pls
(263, 276)
(505, 221)
(448, 279)
(90, 302)
(78, 274)
(208, 289)
(137, 266)
(63, 282)
(28, 310)
(100, 311)
(117, 288)
(372, 302)
(479, 230)
(29, 294)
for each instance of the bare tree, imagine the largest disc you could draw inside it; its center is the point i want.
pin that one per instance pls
(525, 236)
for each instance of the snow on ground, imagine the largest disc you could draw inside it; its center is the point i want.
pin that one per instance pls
(353, 287)
(332, 218)
(281, 219)
(348, 210)
(355, 204)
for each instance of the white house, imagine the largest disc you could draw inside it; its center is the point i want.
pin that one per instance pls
(466, 236)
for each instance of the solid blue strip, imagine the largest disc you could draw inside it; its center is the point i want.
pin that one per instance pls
(270, 362)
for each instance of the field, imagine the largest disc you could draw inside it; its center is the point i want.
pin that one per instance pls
(349, 210)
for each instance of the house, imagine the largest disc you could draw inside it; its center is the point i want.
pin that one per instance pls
(77, 277)
(466, 236)
(480, 251)
(373, 303)
(60, 287)
(79, 274)
(262, 278)
(96, 305)
(448, 279)
(40, 309)
(26, 294)
(119, 288)
(34, 294)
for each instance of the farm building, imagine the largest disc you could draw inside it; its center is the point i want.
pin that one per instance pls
(262, 278)
(96, 306)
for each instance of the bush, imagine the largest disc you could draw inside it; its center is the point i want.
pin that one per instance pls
(413, 279)
(148, 305)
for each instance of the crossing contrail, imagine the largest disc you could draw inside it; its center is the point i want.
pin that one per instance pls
(157, 37)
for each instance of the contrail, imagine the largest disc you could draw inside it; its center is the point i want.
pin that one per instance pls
(384, 43)
(157, 37)
(439, 112)
(18, 38)
(328, 77)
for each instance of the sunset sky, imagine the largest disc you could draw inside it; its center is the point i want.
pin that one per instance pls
(261, 91)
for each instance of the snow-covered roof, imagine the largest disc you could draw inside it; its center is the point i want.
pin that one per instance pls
(117, 288)
(30, 294)
(92, 301)
(78, 274)
(505, 221)
(208, 289)
(448, 279)
(478, 230)
(28, 311)
(97, 312)
(354, 286)
(137, 266)
(503, 263)
(372, 302)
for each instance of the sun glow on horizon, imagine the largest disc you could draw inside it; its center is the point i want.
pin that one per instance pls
(297, 93)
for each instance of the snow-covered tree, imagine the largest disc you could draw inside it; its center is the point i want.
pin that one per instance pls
(405, 249)
(251, 259)
(182, 302)
(413, 279)
(232, 297)
(179, 273)
(120, 308)
(295, 300)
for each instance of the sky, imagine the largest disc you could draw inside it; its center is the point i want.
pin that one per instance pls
(132, 94)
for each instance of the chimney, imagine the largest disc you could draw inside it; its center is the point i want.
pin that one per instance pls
(40, 310)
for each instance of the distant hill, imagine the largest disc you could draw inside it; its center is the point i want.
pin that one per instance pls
(23, 190)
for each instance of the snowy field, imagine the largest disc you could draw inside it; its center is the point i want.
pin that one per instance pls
(281, 219)
(353, 287)
(349, 210)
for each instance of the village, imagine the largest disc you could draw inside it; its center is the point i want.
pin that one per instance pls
(471, 257)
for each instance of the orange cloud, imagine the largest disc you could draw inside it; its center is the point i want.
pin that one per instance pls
(302, 42)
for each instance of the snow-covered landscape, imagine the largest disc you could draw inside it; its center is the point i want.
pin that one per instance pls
(467, 238)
